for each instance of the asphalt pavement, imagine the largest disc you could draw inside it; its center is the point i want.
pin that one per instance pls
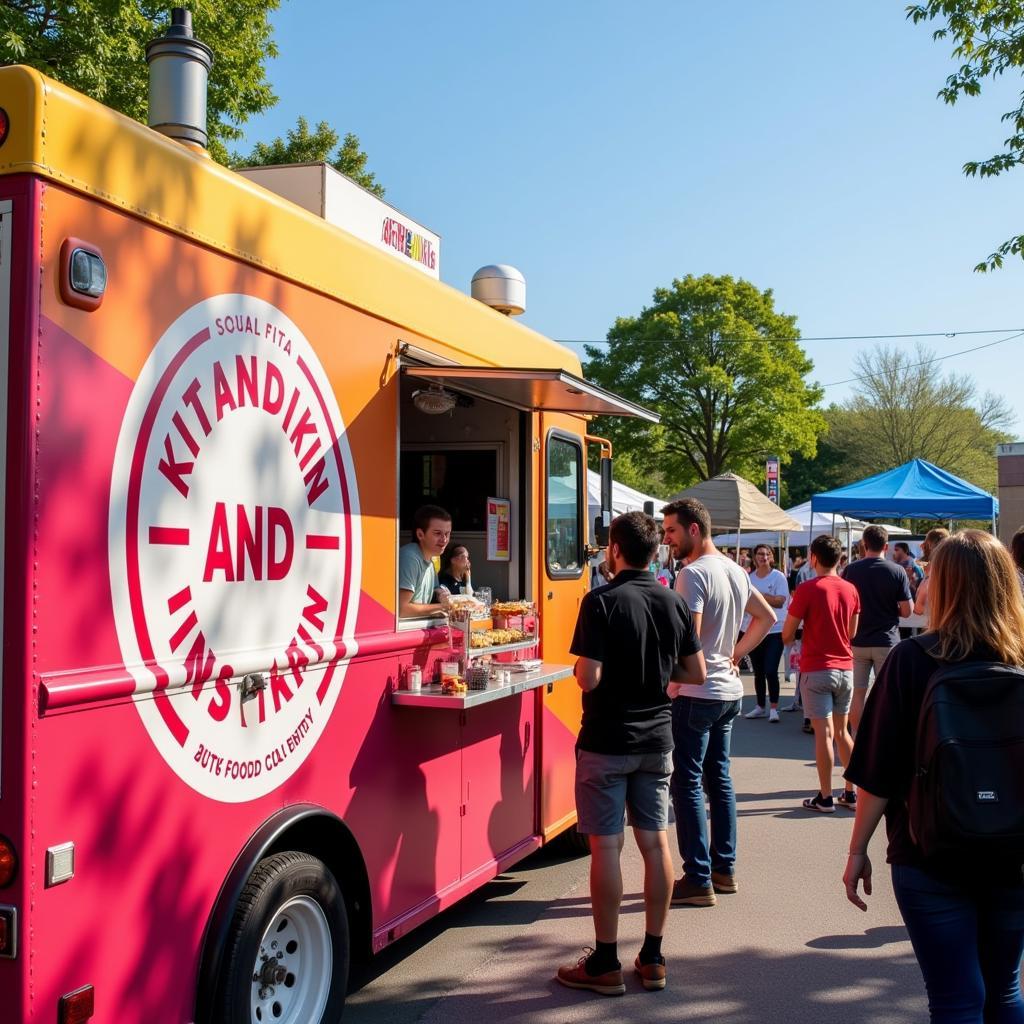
(787, 948)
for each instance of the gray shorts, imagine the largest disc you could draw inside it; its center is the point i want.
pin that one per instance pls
(826, 691)
(606, 784)
(864, 660)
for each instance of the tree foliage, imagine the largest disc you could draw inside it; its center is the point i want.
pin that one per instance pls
(988, 38)
(99, 48)
(905, 408)
(724, 370)
(304, 146)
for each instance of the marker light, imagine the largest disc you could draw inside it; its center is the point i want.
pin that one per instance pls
(8, 933)
(88, 273)
(5, 125)
(8, 862)
(76, 1007)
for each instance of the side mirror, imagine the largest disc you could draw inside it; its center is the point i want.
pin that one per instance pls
(600, 532)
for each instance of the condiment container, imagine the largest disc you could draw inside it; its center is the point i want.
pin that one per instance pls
(414, 678)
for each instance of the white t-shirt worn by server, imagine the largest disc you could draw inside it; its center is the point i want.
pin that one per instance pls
(772, 585)
(717, 588)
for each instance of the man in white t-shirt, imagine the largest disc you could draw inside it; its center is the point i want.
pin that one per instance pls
(765, 657)
(717, 592)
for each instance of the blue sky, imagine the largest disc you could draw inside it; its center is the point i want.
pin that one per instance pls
(606, 148)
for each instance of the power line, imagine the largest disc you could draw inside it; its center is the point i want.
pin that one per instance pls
(832, 337)
(936, 359)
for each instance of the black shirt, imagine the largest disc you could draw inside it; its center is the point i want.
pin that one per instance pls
(451, 584)
(881, 585)
(883, 754)
(639, 630)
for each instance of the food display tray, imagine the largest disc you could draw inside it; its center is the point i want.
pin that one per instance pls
(432, 697)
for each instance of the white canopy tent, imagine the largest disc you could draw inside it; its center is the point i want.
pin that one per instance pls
(846, 529)
(624, 499)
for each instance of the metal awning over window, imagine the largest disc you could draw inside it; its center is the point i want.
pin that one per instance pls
(547, 390)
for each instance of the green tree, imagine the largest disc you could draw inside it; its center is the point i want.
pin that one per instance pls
(99, 48)
(905, 408)
(724, 370)
(304, 146)
(988, 41)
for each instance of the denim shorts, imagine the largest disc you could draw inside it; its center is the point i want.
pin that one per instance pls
(606, 784)
(826, 691)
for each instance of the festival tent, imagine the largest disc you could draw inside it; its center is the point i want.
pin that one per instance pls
(736, 504)
(847, 530)
(624, 498)
(561, 497)
(915, 490)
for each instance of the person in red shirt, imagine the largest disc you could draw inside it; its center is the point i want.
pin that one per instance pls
(829, 608)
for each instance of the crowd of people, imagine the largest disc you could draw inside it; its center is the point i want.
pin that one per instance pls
(659, 670)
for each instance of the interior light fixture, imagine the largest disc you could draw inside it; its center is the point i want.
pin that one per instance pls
(434, 400)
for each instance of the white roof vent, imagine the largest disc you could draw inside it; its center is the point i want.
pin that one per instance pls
(501, 287)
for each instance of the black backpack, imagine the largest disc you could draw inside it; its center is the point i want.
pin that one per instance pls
(967, 795)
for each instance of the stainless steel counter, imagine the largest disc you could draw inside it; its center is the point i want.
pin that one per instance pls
(431, 696)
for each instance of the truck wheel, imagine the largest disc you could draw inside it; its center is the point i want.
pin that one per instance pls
(288, 949)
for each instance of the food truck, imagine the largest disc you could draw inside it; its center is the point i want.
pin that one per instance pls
(221, 412)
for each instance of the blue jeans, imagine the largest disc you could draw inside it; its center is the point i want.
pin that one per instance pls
(765, 658)
(968, 940)
(702, 730)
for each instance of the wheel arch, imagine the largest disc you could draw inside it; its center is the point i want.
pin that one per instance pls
(307, 828)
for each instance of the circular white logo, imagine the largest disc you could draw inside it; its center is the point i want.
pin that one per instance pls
(234, 551)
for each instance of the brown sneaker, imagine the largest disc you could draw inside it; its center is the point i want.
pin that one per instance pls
(652, 976)
(608, 984)
(692, 894)
(723, 882)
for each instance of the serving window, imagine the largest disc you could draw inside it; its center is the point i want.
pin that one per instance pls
(564, 506)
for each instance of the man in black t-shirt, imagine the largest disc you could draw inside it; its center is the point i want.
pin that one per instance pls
(884, 597)
(636, 644)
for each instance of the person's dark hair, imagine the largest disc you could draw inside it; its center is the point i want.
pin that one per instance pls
(690, 511)
(767, 547)
(1017, 548)
(903, 546)
(874, 538)
(637, 536)
(827, 550)
(421, 520)
(449, 553)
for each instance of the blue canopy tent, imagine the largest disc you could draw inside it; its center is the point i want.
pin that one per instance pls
(915, 490)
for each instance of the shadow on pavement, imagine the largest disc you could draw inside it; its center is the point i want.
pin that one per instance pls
(873, 938)
(767, 989)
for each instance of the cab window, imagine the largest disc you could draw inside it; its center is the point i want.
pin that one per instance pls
(564, 507)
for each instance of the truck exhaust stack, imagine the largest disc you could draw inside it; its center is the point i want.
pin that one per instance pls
(179, 65)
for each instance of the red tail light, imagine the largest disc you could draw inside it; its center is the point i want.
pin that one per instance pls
(5, 125)
(76, 1007)
(8, 862)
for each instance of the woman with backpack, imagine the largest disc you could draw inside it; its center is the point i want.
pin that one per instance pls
(940, 752)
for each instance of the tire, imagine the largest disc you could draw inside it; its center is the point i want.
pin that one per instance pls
(287, 954)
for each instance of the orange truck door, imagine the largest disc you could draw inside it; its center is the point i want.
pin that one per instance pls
(563, 576)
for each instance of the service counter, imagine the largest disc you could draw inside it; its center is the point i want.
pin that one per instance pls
(432, 697)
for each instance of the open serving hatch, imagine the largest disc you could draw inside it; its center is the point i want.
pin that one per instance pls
(547, 390)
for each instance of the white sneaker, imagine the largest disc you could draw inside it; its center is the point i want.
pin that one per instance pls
(756, 712)
(773, 715)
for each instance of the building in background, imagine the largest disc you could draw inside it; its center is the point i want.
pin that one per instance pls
(1010, 459)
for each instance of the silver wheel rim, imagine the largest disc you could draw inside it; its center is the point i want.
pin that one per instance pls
(291, 978)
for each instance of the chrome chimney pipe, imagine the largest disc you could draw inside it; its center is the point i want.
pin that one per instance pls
(179, 66)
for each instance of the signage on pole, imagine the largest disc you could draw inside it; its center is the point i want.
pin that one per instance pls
(771, 478)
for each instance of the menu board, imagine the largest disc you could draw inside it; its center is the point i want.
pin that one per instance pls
(499, 529)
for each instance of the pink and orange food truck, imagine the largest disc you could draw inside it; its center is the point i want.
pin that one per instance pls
(221, 412)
